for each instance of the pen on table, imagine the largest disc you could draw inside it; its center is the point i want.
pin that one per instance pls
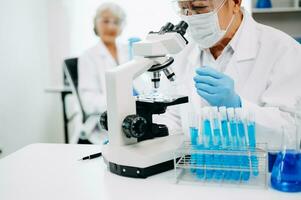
(90, 157)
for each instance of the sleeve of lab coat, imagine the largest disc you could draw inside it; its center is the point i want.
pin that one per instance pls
(92, 96)
(280, 99)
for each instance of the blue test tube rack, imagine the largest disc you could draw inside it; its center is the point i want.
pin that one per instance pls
(223, 147)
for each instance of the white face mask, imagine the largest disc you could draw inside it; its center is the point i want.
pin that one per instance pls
(205, 29)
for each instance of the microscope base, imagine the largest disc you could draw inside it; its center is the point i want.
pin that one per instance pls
(135, 172)
(143, 159)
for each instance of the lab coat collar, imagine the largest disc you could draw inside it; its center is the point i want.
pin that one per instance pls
(102, 49)
(104, 52)
(245, 46)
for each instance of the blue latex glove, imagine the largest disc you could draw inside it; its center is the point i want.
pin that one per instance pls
(216, 88)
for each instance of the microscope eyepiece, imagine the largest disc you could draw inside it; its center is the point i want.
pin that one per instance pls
(181, 28)
(167, 28)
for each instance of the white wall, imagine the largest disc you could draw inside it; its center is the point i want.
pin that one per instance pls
(27, 114)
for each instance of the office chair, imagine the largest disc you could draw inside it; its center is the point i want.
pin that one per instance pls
(82, 129)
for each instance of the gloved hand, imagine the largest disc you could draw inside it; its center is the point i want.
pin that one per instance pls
(216, 88)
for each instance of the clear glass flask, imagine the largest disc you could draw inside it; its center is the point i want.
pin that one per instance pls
(286, 173)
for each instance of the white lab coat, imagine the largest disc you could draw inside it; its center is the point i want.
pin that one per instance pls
(266, 69)
(91, 73)
(91, 85)
(92, 66)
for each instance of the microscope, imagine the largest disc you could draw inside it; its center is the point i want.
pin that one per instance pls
(138, 147)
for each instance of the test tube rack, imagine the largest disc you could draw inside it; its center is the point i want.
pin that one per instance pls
(223, 167)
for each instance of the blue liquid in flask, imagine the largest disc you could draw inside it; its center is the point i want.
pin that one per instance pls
(286, 173)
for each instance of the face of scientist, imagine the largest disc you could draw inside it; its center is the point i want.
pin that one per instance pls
(108, 27)
(231, 9)
(196, 13)
(230, 18)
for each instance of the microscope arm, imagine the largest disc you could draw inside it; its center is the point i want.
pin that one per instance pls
(120, 101)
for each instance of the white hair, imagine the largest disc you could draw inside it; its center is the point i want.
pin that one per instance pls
(115, 9)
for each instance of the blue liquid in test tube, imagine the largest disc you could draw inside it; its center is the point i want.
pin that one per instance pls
(234, 160)
(200, 162)
(208, 158)
(217, 159)
(194, 131)
(194, 138)
(244, 160)
(208, 143)
(242, 141)
(225, 141)
(252, 143)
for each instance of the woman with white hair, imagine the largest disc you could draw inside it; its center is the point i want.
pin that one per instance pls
(107, 54)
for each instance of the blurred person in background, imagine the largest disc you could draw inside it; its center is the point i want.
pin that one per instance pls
(109, 21)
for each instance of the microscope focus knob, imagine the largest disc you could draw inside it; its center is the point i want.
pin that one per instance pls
(134, 126)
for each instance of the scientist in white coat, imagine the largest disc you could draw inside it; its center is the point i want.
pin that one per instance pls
(107, 54)
(234, 61)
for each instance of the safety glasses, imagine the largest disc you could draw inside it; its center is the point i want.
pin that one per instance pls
(193, 7)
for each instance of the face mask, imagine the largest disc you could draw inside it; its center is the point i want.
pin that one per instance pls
(205, 29)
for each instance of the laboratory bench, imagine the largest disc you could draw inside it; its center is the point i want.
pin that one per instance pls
(53, 171)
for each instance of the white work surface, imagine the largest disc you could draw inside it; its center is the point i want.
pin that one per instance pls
(52, 171)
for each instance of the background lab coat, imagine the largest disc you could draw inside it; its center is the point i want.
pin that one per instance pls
(266, 69)
(92, 88)
(92, 66)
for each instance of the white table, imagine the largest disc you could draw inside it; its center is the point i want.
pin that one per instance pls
(52, 171)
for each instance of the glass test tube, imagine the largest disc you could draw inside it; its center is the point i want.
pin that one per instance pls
(235, 175)
(244, 160)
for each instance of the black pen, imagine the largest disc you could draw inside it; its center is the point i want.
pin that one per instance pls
(92, 156)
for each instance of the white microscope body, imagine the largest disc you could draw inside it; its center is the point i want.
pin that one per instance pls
(125, 154)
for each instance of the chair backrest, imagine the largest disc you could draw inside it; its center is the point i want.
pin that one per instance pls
(71, 65)
(71, 74)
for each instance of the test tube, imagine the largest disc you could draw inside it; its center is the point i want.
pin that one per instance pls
(193, 128)
(208, 142)
(235, 175)
(244, 160)
(217, 142)
(216, 127)
(252, 142)
(194, 131)
(225, 140)
(200, 172)
(225, 127)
